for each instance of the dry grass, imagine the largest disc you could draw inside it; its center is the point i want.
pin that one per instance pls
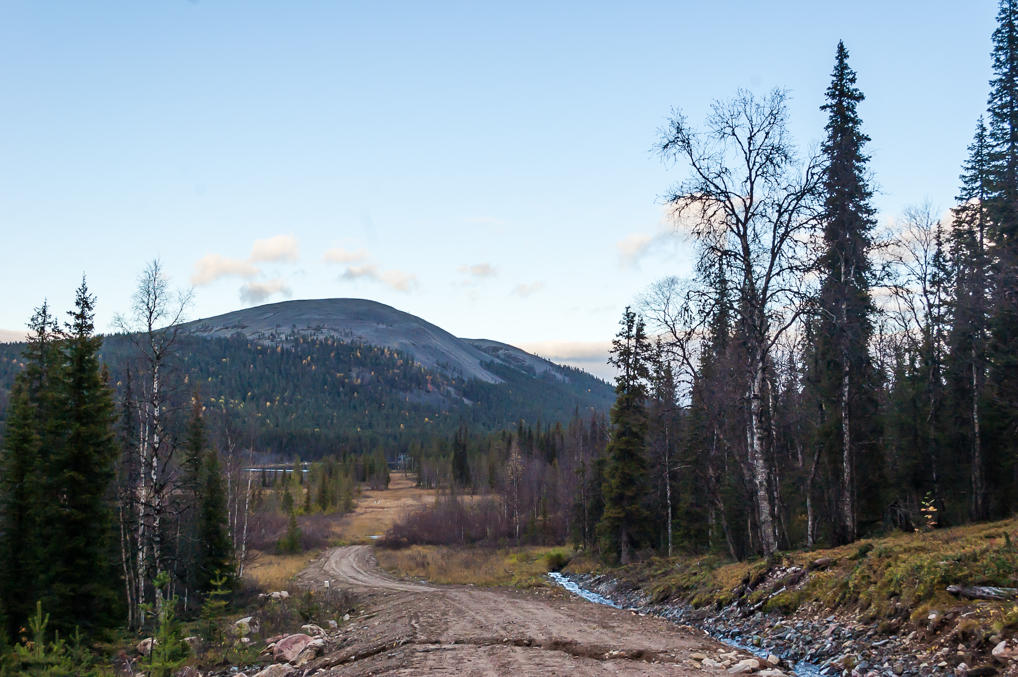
(513, 567)
(269, 571)
(377, 510)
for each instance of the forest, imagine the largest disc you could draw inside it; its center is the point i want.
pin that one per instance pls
(818, 380)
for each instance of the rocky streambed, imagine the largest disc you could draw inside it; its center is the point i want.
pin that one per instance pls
(813, 641)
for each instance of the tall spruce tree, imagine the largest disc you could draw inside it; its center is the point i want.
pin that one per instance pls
(845, 378)
(33, 426)
(215, 548)
(79, 577)
(624, 521)
(967, 366)
(1002, 209)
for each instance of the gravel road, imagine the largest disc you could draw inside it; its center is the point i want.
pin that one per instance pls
(412, 629)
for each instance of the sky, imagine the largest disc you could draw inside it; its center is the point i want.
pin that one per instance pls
(486, 166)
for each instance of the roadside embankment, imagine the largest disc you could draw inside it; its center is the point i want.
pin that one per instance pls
(878, 606)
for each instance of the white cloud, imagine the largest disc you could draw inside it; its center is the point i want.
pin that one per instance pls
(478, 270)
(633, 247)
(395, 279)
(525, 289)
(211, 267)
(277, 248)
(340, 255)
(575, 351)
(257, 292)
(8, 336)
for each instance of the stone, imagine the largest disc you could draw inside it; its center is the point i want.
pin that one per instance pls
(312, 629)
(243, 627)
(771, 672)
(697, 656)
(740, 669)
(145, 646)
(333, 625)
(288, 648)
(187, 671)
(773, 660)
(310, 652)
(276, 671)
(711, 663)
(898, 668)
(346, 617)
(1001, 652)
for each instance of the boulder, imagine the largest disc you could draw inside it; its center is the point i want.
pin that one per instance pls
(312, 629)
(276, 670)
(288, 648)
(310, 652)
(333, 625)
(243, 627)
(145, 646)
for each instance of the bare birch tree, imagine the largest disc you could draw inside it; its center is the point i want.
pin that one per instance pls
(752, 205)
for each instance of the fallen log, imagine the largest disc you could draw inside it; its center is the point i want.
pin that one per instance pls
(983, 592)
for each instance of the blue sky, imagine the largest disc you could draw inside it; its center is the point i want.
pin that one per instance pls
(486, 166)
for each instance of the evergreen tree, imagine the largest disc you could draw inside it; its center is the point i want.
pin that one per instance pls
(79, 576)
(1002, 210)
(845, 379)
(215, 549)
(624, 521)
(967, 368)
(33, 432)
(460, 467)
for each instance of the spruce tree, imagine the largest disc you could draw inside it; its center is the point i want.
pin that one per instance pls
(1002, 210)
(34, 425)
(215, 549)
(79, 577)
(625, 521)
(967, 366)
(845, 378)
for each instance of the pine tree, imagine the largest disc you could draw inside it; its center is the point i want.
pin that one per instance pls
(1002, 210)
(79, 576)
(460, 467)
(845, 378)
(215, 549)
(967, 367)
(33, 433)
(624, 521)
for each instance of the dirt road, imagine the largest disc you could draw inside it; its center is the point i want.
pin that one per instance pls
(412, 629)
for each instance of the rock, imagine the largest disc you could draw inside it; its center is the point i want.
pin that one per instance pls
(773, 660)
(187, 671)
(898, 668)
(711, 663)
(741, 668)
(1002, 653)
(288, 648)
(697, 656)
(145, 646)
(245, 640)
(312, 629)
(310, 652)
(771, 672)
(333, 625)
(245, 626)
(276, 671)
(346, 617)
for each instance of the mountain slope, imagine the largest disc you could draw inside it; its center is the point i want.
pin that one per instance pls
(371, 323)
(315, 377)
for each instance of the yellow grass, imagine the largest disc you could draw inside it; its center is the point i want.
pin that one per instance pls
(516, 567)
(377, 510)
(272, 572)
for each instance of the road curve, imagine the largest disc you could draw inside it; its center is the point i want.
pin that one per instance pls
(409, 628)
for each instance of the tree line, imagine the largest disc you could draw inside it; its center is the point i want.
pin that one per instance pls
(818, 380)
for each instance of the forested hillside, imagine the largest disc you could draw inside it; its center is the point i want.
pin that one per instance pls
(312, 396)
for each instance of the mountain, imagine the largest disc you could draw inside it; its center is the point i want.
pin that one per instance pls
(370, 323)
(314, 377)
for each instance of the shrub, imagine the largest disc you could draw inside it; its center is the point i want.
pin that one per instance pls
(556, 560)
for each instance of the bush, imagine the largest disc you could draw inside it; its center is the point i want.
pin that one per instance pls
(556, 560)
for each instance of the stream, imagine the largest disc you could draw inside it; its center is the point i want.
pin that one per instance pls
(801, 668)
